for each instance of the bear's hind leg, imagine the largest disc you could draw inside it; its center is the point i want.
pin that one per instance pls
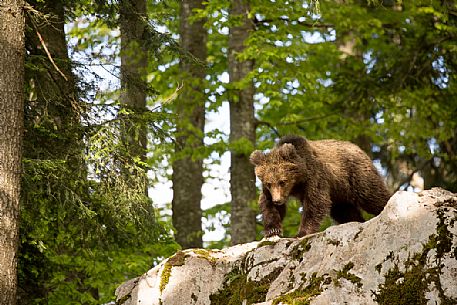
(374, 202)
(346, 212)
(372, 196)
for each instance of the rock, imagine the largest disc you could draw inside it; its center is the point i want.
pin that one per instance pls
(406, 255)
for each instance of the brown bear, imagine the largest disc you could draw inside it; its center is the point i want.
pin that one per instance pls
(327, 176)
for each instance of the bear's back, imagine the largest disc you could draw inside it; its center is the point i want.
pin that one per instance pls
(341, 157)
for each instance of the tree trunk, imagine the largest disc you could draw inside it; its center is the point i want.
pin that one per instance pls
(242, 128)
(188, 167)
(12, 25)
(134, 61)
(54, 103)
(53, 133)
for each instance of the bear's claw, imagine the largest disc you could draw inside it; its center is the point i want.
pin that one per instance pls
(273, 232)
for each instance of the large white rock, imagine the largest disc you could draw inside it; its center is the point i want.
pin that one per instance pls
(406, 255)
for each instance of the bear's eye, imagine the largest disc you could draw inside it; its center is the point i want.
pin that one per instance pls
(282, 183)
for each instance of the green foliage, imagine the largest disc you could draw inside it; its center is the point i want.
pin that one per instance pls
(95, 273)
(78, 246)
(379, 73)
(242, 146)
(374, 91)
(218, 215)
(85, 229)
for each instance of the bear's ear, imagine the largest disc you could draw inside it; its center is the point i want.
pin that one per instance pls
(287, 151)
(257, 157)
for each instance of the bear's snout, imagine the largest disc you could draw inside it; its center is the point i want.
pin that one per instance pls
(278, 202)
(277, 196)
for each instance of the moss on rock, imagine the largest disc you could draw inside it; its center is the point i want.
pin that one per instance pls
(304, 294)
(406, 287)
(176, 260)
(206, 254)
(344, 273)
(123, 299)
(409, 287)
(301, 248)
(238, 289)
(265, 243)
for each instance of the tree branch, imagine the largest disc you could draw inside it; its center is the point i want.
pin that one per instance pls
(49, 54)
(258, 123)
(410, 176)
(303, 23)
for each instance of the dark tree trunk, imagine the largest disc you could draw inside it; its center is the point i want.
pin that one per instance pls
(134, 61)
(53, 132)
(188, 167)
(12, 25)
(242, 127)
(54, 103)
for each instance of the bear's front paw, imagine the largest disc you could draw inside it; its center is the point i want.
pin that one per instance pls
(273, 238)
(273, 232)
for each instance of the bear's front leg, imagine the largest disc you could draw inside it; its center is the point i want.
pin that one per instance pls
(315, 208)
(272, 216)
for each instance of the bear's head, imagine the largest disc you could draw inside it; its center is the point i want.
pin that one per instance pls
(279, 170)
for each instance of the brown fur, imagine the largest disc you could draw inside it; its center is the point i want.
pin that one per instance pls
(328, 177)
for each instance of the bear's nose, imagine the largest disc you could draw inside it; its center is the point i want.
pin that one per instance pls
(277, 202)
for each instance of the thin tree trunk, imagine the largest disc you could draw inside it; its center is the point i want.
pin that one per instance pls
(242, 127)
(12, 25)
(134, 61)
(188, 168)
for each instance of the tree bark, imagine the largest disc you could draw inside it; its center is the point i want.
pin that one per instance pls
(242, 127)
(12, 49)
(134, 61)
(188, 167)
